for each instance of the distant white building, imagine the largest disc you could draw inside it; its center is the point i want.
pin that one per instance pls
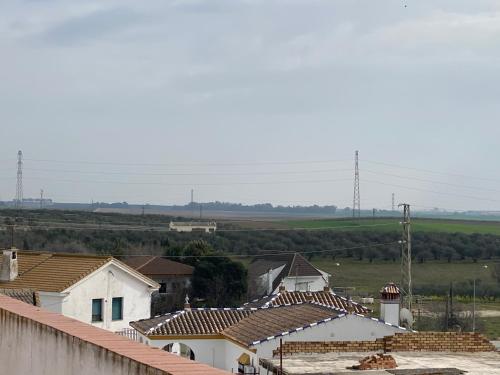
(291, 271)
(98, 290)
(190, 226)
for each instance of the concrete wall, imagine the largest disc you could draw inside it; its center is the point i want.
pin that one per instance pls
(28, 347)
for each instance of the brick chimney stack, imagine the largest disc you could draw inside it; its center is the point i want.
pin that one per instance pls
(9, 269)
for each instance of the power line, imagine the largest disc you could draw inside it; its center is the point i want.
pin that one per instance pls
(430, 171)
(195, 184)
(434, 191)
(356, 203)
(19, 184)
(188, 164)
(189, 173)
(431, 181)
(229, 255)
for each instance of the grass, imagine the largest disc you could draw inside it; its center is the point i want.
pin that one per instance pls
(368, 278)
(418, 225)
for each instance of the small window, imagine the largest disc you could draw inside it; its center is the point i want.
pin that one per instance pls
(117, 308)
(163, 288)
(97, 310)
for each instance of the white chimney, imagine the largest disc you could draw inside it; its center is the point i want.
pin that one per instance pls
(9, 265)
(389, 304)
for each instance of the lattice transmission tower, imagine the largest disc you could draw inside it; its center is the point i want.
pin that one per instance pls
(19, 187)
(406, 284)
(356, 203)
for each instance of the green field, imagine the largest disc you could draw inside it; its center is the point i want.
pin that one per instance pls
(368, 277)
(418, 225)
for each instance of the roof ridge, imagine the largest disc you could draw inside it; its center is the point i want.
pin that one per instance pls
(37, 264)
(153, 257)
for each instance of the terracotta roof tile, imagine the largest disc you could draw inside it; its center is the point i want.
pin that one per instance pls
(390, 288)
(154, 358)
(26, 295)
(155, 265)
(274, 321)
(191, 322)
(53, 272)
(327, 298)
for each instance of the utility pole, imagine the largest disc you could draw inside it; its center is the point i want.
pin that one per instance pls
(356, 202)
(19, 187)
(41, 198)
(406, 286)
(393, 203)
(192, 203)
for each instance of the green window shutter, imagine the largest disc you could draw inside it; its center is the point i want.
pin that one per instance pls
(97, 310)
(117, 308)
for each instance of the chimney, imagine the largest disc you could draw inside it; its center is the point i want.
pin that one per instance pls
(389, 303)
(269, 282)
(9, 265)
(326, 289)
(282, 288)
(187, 305)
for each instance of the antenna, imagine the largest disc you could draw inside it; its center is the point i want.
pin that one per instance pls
(19, 186)
(393, 203)
(356, 203)
(406, 288)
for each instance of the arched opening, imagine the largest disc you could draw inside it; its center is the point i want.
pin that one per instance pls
(180, 349)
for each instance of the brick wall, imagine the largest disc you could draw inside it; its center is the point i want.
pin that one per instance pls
(400, 342)
(438, 342)
(293, 347)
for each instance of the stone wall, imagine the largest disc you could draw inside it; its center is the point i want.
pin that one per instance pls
(400, 342)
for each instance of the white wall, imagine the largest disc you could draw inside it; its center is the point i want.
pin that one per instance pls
(304, 283)
(220, 353)
(223, 354)
(52, 301)
(348, 328)
(110, 281)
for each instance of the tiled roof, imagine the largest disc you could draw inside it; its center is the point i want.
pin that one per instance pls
(156, 266)
(268, 323)
(191, 322)
(26, 295)
(390, 288)
(327, 298)
(53, 272)
(164, 363)
(295, 265)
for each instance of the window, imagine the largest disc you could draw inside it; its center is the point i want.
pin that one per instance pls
(117, 309)
(97, 310)
(163, 288)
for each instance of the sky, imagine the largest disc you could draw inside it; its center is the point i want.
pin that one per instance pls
(252, 101)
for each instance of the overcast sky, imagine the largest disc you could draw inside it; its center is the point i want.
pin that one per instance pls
(252, 101)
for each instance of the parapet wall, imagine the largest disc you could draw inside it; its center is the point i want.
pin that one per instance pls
(438, 342)
(399, 342)
(36, 341)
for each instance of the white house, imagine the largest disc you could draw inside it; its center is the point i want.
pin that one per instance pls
(234, 339)
(98, 290)
(292, 271)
